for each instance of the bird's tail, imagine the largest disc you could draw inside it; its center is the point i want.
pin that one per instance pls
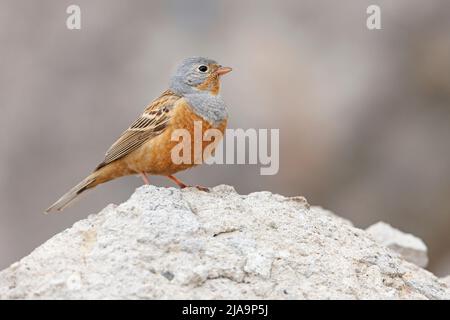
(72, 194)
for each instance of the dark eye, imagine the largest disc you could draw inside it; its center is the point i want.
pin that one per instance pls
(203, 68)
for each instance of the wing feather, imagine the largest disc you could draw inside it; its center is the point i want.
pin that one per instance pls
(150, 124)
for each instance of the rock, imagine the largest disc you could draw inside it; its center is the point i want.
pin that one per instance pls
(446, 280)
(410, 247)
(167, 243)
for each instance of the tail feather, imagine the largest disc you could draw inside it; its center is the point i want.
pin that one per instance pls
(72, 194)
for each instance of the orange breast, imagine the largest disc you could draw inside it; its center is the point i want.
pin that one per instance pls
(154, 157)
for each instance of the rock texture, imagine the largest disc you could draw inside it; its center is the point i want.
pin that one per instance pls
(167, 243)
(446, 280)
(408, 246)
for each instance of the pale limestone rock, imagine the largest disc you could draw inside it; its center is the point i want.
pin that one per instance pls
(446, 280)
(167, 243)
(408, 246)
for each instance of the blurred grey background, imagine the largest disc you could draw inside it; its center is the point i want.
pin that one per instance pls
(364, 116)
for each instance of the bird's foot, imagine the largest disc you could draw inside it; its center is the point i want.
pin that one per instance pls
(201, 188)
(183, 185)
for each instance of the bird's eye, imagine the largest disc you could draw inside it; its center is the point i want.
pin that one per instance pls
(203, 68)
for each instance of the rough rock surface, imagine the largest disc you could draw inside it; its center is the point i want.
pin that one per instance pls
(408, 246)
(446, 280)
(166, 243)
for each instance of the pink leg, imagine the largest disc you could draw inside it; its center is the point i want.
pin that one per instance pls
(183, 185)
(145, 178)
(178, 182)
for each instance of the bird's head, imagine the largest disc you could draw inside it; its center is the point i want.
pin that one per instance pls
(197, 74)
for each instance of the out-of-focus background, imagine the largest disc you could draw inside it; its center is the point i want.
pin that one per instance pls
(364, 116)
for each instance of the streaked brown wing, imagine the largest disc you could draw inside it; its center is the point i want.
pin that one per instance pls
(150, 124)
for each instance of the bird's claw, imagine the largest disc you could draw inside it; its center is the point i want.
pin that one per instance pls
(201, 188)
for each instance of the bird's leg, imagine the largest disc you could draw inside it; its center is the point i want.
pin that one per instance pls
(183, 185)
(178, 182)
(145, 178)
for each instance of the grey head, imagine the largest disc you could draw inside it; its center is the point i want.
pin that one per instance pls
(190, 74)
(197, 79)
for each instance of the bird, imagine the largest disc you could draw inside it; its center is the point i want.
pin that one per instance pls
(145, 147)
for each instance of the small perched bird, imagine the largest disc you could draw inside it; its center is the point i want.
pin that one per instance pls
(145, 147)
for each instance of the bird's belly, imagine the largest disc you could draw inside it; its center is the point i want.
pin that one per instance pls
(155, 156)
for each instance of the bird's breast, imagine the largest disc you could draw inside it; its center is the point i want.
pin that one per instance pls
(185, 127)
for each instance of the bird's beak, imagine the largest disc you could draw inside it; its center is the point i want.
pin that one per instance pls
(223, 70)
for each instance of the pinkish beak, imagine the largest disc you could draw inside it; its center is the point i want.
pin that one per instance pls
(223, 70)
